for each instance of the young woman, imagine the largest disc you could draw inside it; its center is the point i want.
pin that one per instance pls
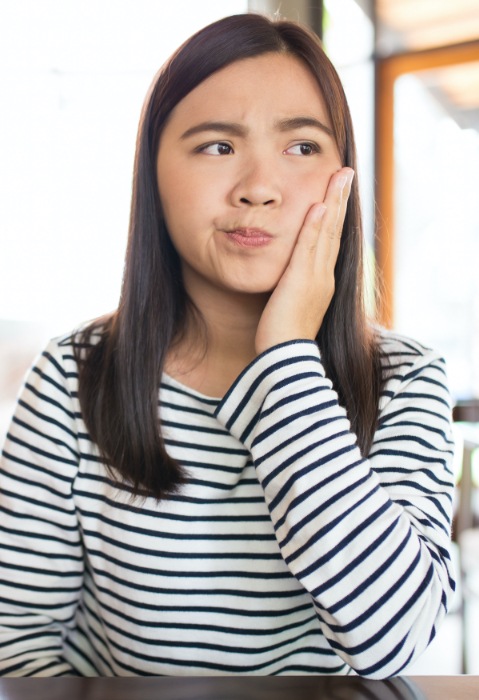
(235, 472)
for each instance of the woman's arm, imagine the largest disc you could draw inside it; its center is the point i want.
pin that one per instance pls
(368, 538)
(41, 560)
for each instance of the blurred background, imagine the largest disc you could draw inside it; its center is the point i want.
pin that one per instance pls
(73, 76)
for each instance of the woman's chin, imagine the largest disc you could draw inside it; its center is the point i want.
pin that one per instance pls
(255, 288)
(256, 281)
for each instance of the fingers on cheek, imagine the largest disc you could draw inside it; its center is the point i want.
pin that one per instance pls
(343, 186)
(318, 212)
(345, 178)
(313, 225)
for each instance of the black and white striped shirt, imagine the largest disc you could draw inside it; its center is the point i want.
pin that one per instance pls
(285, 553)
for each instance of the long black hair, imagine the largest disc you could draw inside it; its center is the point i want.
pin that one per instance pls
(121, 357)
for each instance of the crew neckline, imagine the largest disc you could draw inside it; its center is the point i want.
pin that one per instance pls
(172, 381)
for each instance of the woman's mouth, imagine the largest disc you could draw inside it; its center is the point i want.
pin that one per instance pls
(249, 237)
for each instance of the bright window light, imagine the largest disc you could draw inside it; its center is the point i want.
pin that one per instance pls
(73, 76)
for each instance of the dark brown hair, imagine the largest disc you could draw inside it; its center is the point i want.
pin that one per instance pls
(119, 373)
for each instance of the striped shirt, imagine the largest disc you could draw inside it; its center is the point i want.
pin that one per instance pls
(286, 552)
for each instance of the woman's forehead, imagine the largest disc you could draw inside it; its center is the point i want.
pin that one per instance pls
(278, 82)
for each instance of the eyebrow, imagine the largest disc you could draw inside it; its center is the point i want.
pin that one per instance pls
(223, 127)
(299, 122)
(235, 129)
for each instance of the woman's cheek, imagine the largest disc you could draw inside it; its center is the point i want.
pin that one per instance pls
(312, 187)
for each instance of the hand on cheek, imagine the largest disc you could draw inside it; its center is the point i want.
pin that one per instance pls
(298, 304)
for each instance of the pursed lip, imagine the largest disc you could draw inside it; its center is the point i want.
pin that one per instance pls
(249, 236)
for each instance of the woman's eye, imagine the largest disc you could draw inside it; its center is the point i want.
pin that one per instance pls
(302, 149)
(216, 149)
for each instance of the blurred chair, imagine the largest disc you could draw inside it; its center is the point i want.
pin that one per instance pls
(466, 525)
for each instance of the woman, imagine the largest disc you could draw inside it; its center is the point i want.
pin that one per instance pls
(284, 505)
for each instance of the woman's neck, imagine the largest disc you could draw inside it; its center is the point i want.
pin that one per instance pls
(216, 347)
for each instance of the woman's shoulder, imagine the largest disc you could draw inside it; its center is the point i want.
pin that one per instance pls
(398, 349)
(84, 336)
(61, 354)
(405, 359)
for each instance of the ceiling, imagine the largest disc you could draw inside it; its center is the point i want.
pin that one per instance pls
(415, 25)
(456, 88)
(422, 24)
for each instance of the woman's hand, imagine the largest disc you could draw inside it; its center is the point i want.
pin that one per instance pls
(297, 306)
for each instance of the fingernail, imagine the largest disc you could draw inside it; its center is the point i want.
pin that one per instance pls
(345, 178)
(320, 211)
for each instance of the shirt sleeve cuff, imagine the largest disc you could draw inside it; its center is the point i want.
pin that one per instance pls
(278, 366)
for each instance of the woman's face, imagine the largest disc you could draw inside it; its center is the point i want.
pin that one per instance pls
(241, 160)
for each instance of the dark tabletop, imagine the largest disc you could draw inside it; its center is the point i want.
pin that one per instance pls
(234, 688)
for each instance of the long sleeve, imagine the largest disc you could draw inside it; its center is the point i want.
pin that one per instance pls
(367, 538)
(41, 560)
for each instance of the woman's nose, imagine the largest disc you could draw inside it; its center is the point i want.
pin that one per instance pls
(257, 185)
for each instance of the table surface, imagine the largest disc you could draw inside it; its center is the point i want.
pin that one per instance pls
(235, 688)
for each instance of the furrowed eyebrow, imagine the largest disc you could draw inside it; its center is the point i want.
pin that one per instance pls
(299, 122)
(234, 129)
(230, 128)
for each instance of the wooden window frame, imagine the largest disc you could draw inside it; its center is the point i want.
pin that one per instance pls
(387, 70)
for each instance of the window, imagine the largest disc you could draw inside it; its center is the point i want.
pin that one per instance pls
(73, 79)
